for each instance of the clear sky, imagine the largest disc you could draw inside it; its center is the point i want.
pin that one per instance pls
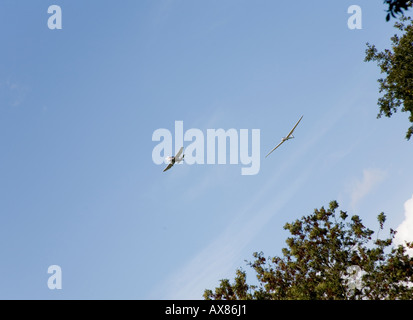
(78, 107)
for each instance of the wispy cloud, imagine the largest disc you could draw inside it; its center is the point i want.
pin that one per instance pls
(13, 92)
(405, 229)
(219, 258)
(361, 188)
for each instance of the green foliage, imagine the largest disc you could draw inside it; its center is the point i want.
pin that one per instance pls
(397, 64)
(327, 257)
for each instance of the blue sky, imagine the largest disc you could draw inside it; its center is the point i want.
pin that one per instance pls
(78, 106)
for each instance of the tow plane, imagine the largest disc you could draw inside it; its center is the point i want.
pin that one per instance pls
(176, 159)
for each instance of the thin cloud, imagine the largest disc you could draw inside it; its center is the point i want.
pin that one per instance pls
(361, 188)
(221, 257)
(14, 92)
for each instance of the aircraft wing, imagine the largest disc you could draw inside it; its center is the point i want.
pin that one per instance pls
(168, 167)
(291, 132)
(275, 148)
(179, 153)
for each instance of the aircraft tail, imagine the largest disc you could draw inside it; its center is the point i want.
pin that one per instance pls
(181, 159)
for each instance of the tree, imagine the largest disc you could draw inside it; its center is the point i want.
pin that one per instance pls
(396, 7)
(397, 64)
(328, 257)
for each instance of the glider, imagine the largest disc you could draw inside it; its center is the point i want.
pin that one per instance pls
(176, 159)
(288, 137)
